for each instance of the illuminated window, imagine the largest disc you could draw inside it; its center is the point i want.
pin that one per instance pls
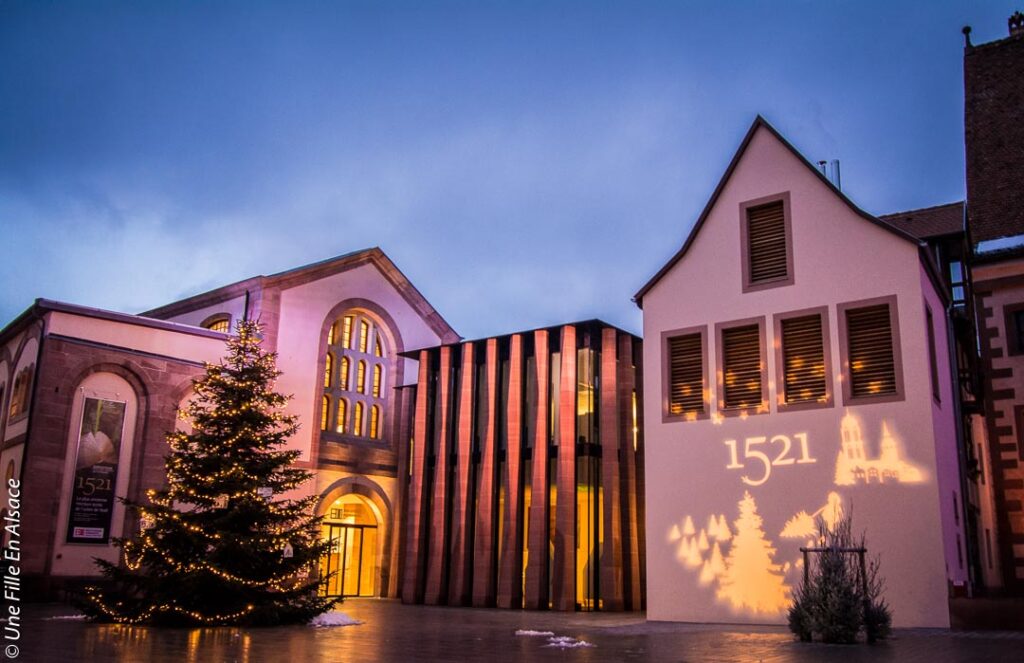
(932, 358)
(339, 422)
(20, 392)
(741, 363)
(364, 335)
(376, 380)
(356, 361)
(325, 412)
(766, 244)
(685, 388)
(346, 331)
(343, 374)
(802, 359)
(374, 421)
(870, 345)
(219, 322)
(357, 421)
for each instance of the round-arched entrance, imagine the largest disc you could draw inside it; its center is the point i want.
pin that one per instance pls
(352, 526)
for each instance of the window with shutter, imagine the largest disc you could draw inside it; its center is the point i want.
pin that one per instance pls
(871, 347)
(685, 387)
(742, 364)
(767, 254)
(802, 359)
(933, 363)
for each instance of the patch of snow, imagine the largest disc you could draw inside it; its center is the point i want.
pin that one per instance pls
(565, 642)
(76, 617)
(990, 245)
(528, 632)
(335, 618)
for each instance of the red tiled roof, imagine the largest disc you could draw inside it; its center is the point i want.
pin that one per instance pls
(994, 137)
(929, 221)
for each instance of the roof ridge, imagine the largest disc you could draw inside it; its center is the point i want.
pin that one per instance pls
(922, 209)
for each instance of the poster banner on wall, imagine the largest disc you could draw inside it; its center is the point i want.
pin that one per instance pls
(92, 494)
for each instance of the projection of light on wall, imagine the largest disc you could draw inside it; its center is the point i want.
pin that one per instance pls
(853, 466)
(738, 563)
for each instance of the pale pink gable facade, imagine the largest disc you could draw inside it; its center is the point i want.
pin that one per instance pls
(708, 563)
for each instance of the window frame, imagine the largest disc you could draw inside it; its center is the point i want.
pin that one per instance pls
(844, 351)
(666, 375)
(1012, 333)
(780, 363)
(787, 215)
(933, 354)
(214, 319)
(763, 407)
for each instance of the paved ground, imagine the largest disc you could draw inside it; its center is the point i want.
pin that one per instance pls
(394, 632)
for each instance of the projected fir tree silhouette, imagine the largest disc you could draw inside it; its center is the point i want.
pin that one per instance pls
(752, 581)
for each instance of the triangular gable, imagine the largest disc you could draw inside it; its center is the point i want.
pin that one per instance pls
(760, 122)
(318, 270)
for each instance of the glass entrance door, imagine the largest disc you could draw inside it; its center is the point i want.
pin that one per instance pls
(349, 563)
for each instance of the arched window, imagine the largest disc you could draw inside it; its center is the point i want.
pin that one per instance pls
(339, 425)
(357, 422)
(20, 392)
(218, 322)
(328, 369)
(361, 377)
(375, 422)
(355, 369)
(364, 335)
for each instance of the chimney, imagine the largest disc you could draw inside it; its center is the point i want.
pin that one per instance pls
(1016, 24)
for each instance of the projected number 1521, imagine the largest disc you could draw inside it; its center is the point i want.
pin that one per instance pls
(764, 453)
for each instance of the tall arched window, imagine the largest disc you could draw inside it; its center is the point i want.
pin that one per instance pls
(356, 362)
(361, 377)
(343, 375)
(328, 369)
(357, 421)
(339, 425)
(375, 421)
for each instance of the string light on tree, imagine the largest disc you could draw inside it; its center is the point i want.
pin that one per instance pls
(210, 544)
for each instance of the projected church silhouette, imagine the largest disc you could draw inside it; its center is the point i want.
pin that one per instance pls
(854, 467)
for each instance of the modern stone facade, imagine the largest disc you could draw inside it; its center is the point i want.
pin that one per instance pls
(525, 472)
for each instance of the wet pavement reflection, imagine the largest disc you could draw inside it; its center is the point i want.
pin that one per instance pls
(394, 632)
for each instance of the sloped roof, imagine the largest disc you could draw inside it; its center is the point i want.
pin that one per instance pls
(929, 222)
(994, 137)
(317, 270)
(759, 123)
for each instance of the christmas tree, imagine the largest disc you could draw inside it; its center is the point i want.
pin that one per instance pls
(752, 581)
(222, 544)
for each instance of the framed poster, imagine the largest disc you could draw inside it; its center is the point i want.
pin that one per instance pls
(92, 493)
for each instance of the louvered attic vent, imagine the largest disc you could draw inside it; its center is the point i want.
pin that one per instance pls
(869, 338)
(686, 375)
(741, 367)
(803, 356)
(766, 240)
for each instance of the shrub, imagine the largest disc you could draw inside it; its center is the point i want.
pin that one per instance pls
(837, 602)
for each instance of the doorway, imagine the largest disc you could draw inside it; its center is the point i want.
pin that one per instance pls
(350, 566)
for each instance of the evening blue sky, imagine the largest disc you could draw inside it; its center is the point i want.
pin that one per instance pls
(522, 163)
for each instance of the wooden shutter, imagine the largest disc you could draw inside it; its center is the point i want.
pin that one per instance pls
(803, 358)
(766, 243)
(686, 374)
(742, 374)
(870, 351)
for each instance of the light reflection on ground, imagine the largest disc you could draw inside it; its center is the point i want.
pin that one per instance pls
(393, 632)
